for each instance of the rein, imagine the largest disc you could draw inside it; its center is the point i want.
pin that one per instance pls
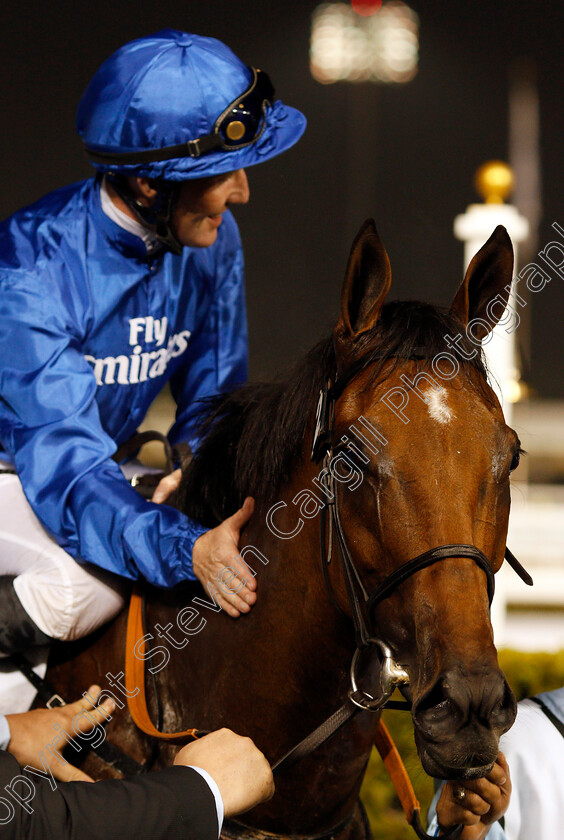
(135, 676)
(137, 702)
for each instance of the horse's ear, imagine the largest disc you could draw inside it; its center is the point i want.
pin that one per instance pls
(367, 282)
(487, 282)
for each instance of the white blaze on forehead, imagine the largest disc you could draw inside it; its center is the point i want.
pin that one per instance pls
(437, 405)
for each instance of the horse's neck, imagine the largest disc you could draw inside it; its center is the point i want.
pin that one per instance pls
(276, 673)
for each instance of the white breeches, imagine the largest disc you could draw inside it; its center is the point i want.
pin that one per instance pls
(66, 600)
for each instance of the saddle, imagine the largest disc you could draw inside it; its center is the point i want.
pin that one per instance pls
(145, 481)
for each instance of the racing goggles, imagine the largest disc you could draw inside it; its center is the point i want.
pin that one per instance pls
(243, 121)
(239, 125)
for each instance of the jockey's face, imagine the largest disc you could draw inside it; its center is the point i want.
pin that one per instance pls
(201, 202)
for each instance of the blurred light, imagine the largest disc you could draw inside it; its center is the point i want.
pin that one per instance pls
(366, 7)
(382, 47)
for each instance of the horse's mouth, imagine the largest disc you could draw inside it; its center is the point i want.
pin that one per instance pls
(438, 769)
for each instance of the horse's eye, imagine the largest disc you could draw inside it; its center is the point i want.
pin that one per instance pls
(516, 459)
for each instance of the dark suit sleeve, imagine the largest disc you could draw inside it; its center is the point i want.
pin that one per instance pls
(171, 804)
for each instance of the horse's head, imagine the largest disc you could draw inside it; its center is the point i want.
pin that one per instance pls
(441, 477)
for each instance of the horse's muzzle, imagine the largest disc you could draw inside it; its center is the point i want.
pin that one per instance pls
(458, 723)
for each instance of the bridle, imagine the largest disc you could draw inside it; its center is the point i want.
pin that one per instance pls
(362, 603)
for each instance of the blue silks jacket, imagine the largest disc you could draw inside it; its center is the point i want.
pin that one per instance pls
(91, 329)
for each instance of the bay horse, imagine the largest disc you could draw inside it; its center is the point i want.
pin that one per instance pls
(417, 456)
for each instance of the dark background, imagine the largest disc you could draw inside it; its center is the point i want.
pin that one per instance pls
(404, 154)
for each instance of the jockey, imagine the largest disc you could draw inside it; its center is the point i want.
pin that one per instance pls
(110, 288)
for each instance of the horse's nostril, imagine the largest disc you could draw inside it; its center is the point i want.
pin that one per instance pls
(433, 698)
(435, 710)
(504, 713)
(452, 703)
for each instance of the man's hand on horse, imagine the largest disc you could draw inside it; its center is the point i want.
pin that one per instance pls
(237, 766)
(475, 804)
(32, 732)
(167, 486)
(216, 561)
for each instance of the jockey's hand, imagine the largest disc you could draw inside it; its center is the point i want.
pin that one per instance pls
(236, 765)
(167, 486)
(234, 590)
(485, 801)
(31, 733)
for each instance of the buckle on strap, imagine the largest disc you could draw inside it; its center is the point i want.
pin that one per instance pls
(194, 148)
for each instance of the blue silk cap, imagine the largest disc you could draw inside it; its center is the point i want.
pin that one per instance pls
(170, 88)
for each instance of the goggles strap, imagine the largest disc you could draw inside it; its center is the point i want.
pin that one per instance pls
(200, 145)
(192, 148)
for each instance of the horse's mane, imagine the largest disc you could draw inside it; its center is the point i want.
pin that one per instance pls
(252, 437)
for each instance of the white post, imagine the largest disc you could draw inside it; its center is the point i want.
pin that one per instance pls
(494, 181)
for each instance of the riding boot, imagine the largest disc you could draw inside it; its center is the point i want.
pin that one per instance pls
(18, 631)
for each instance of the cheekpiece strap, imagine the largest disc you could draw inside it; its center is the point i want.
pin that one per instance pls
(323, 428)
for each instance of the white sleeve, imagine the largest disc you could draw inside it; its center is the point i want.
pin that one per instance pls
(217, 795)
(5, 734)
(535, 753)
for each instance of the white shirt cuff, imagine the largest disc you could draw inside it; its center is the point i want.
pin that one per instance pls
(217, 795)
(5, 736)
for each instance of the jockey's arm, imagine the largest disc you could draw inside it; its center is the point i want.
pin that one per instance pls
(217, 550)
(54, 430)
